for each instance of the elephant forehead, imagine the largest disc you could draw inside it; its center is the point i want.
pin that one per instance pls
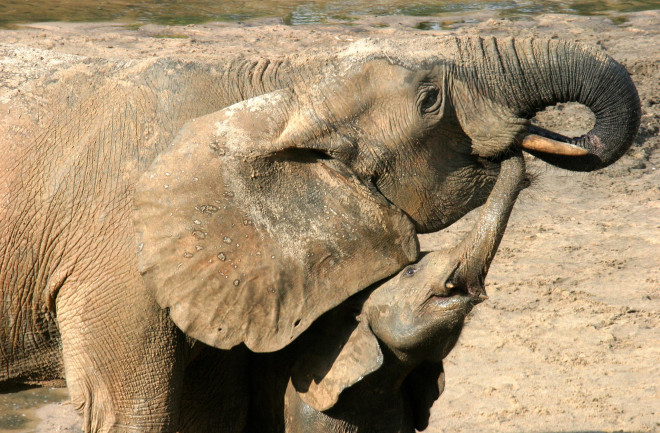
(254, 250)
(424, 50)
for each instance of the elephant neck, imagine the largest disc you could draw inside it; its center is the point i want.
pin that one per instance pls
(386, 382)
(364, 409)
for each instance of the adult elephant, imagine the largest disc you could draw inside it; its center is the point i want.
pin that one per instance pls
(254, 220)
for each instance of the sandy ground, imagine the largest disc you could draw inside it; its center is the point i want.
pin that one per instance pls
(569, 340)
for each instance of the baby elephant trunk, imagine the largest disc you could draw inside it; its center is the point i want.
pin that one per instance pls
(477, 249)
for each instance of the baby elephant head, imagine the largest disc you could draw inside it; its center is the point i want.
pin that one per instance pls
(398, 336)
(412, 319)
(419, 313)
(394, 351)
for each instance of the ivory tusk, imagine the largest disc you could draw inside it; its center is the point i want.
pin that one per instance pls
(548, 145)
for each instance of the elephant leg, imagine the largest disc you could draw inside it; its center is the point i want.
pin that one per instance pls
(123, 357)
(216, 392)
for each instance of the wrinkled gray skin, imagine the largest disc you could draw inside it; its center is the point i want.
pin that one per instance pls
(425, 134)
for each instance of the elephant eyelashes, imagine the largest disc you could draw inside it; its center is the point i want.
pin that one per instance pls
(430, 99)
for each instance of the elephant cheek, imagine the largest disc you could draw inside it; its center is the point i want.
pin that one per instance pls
(389, 323)
(439, 184)
(452, 199)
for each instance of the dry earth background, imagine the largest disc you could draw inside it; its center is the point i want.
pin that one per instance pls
(569, 340)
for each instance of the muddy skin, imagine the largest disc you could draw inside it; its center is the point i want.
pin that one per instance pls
(525, 230)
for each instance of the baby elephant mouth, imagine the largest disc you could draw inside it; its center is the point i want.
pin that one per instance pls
(457, 304)
(455, 293)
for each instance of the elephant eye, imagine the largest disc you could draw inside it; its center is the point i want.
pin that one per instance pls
(410, 271)
(430, 99)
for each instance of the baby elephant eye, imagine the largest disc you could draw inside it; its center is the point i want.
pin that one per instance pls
(410, 271)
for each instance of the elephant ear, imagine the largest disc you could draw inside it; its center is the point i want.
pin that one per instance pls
(245, 237)
(423, 387)
(331, 364)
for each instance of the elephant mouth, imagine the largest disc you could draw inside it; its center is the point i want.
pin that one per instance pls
(454, 293)
(456, 301)
(456, 297)
(451, 311)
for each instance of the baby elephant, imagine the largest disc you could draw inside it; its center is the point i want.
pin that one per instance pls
(374, 364)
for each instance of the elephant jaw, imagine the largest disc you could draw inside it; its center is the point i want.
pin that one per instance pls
(455, 306)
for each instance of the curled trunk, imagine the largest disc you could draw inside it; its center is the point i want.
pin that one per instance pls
(530, 75)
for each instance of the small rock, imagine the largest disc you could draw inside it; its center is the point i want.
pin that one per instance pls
(638, 166)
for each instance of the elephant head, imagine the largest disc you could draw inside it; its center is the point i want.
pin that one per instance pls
(265, 215)
(395, 335)
(428, 135)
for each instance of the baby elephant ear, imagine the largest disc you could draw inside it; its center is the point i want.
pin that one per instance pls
(246, 239)
(334, 364)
